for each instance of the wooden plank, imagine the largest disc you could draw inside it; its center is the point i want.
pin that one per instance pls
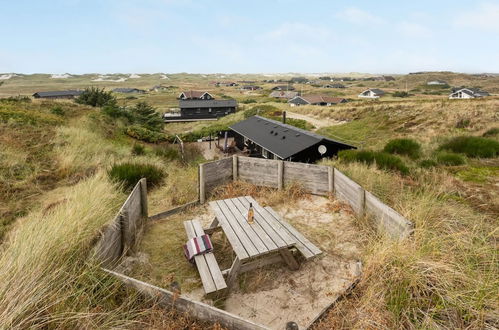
(314, 178)
(216, 273)
(233, 272)
(203, 269)
(195, 309)
(276, 225)
(307, 248)
(268, 259)
(330, 179)
(276, 238)
(202, 184)
(143, 197)
(258, 171)
(280, 174)
(234, 168)
(172, 211)
(250, 229)
(237, 246)
(289, 259)
(348, 190)
(266, 239)
(239, 229)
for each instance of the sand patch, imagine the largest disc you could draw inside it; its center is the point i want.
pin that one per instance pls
(61, 76)
(7, 76)
(134, 76)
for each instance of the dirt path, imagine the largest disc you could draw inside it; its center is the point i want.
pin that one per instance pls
(318, 123)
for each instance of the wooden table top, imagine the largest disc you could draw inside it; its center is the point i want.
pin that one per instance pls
(266, 234)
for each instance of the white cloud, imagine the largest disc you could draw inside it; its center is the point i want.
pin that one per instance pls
(484, 17)
(415, 30)
(358, 16)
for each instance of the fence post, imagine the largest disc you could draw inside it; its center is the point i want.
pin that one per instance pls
(330, 179)
(280, 174)
(143, 197)
(235, 174)
(202, 192)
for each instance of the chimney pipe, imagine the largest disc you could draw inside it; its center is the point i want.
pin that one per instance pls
(284, 117)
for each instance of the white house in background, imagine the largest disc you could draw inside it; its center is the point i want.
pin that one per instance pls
(372, 93)
(436, 82)
(467, 93)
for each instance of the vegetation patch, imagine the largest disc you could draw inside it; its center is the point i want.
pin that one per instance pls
(491, 132)
(381, 159)
(128, 174)
(96, 97)
(406, 147)
(145, 134)
(472, 146)
(427, 163)
(450, 159)
(138, 150)
(478, 174)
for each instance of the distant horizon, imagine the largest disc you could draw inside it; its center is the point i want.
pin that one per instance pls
(274, 36)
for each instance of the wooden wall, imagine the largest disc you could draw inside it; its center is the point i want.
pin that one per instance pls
(316, 179)
(122, 233)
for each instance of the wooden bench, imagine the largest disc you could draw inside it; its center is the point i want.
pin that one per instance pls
(306, 248)
(211, 275)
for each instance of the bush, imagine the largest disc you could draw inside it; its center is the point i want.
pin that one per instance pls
(145, 115)
(406, 147)
(146, 135)
(96, 97)
(491, 132)
(472, 146)
(381, 159)
(463, 123)
(248, 101)
(450, 159)
(138, 150)
(427, 163)
(168, 151)
(128, 174)
(400, 94)
(58, 110)
(114, 111)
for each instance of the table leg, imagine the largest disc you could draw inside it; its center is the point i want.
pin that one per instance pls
(289, 259)
(233, 272)
(214, 226)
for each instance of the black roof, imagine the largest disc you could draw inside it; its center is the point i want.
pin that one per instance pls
(206, 103)
(59, 93)
(280, 139)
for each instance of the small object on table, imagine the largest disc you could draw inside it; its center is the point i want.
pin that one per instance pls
(251, 214)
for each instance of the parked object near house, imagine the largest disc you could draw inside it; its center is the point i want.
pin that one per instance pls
(195, 95)
(194, 110)
(436, 82)
(323, 100)
(372, 93)
(333, 86)
(283, 94)
(69, 94)
(283, 88)
(467, 93)
(129, 90)
(158, 88)
(267, 138)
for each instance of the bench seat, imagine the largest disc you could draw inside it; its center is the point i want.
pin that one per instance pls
(209, 271)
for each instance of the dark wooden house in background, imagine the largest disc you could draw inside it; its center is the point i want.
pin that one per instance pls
(194, 110)
(267, 138)
(195, 95)
(69, 94)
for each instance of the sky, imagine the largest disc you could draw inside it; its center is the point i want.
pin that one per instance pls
(257, 36)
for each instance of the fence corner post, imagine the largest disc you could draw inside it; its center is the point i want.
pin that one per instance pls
(280, 174)
(143, 197)
(202, 192)
(235, 173)
(330, 179)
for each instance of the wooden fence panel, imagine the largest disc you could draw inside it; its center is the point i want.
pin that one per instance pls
(349, 191)
(314, 178)
(387, 219)
(260, 172)
(110, 247)
(217, 173)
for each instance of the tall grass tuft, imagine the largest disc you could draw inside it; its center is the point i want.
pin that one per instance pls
(381, 159)
(407, 147)
(472, 146)
(450, 159)
(128, 174)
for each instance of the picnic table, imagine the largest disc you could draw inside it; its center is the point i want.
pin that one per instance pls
(268, 240)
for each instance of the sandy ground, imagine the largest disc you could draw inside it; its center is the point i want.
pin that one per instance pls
(318, 123)
(214, 152)
(275, 295)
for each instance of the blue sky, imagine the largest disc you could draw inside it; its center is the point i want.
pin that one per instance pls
(209, 36)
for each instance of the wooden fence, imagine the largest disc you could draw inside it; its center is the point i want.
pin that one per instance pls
(316, 179)
(121, 235)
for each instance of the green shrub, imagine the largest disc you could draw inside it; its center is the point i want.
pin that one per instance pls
(400, 94)
(248, 101)
(491, 132)
(381, 159)
(58, 110)
(427, 163)
(406, 147)
(168, 151)
(260, 110)
(128, 174)
(138, 150)
(463, 123)
(115, 111)
(472, 146)
(144, 134)
(96, 97)
(450, 159)
(146, 115)
(131, 97)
